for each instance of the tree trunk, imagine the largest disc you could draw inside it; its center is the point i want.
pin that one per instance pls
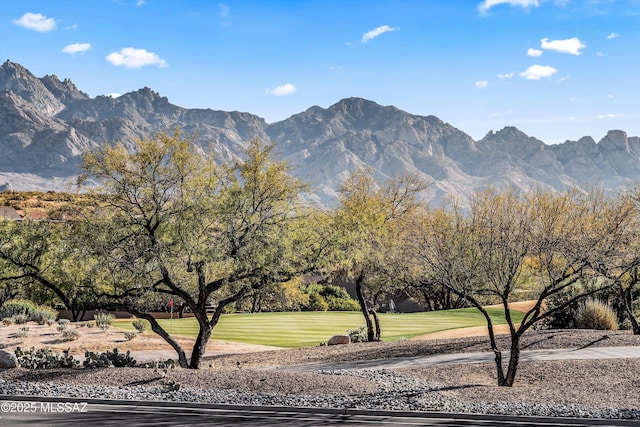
(181, 308)
(200, 345)
(376, 322)
(627, 299)
(514, 360)
(492, 340)
(155, 327)
(364, 308)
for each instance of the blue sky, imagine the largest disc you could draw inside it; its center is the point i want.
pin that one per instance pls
(556, 69)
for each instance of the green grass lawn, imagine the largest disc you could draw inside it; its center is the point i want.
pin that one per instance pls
(299, 329)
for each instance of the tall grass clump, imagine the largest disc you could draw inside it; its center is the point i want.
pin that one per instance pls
(595, 314)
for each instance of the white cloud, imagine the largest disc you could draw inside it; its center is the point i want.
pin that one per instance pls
(140, 2)
(571, 46)
(600, 54)
(488, 4)
(336, 67)
(481, 84)
(130, 57)
(36, 22)
(537, 72)
(370, 35)
(506, 75)
(285, 89)
(72, 49)
(72, 27)
(501, 113)
(610, 116)
(610, 96)
(225, 11)
(613, 36)
(534, 52)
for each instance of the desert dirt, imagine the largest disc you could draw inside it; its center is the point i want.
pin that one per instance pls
(94, 339)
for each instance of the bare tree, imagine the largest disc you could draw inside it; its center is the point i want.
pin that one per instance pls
(482, 255)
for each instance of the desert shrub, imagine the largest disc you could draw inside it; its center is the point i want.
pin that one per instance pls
(22, 309)
(23, 332)
(90, 325)
(61, 328)
(341, 304)
(595, 314)
(140, 325)
(43, 314)
(8, 321)
(108, 359)
(103, 320)
(17, 307)
(44, 358)
(357, 335)
(336, 297)
(20, 319)
(130, 335)
(49, 322)
(70, 334)
(566, 318)
(317, 303)
(64, 322)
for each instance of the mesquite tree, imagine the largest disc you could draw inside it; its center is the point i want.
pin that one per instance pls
(43, 253)
(366, 229)
(482, 254)
(176, 225)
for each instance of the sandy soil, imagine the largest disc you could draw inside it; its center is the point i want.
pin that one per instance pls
(94, 339)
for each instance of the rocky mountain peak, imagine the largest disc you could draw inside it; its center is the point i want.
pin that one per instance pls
(65, 90)
(364, 112)
(19, 80)
(615, 140)
(513, 141)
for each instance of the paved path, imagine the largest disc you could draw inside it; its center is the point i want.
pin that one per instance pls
(461, 358)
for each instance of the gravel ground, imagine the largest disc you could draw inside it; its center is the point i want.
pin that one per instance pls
(532, 340)
(593, 388)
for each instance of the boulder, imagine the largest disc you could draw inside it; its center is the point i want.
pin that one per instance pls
(7, 360)
(339, 339)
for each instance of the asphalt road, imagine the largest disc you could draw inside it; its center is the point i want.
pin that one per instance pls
(40, 411)
(73, 412)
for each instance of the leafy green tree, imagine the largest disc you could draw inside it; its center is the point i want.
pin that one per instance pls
(43, 253)
(176, 225)
(366, 228)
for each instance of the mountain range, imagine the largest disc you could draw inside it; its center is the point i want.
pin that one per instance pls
(47, 124)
